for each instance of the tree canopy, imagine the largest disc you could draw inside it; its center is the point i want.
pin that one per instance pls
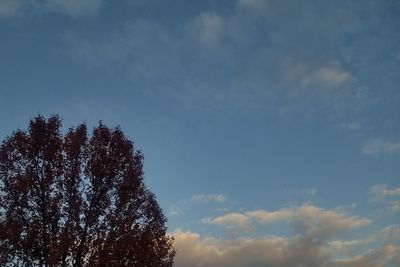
(77, 200)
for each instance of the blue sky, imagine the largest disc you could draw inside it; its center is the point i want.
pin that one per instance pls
(269, 128)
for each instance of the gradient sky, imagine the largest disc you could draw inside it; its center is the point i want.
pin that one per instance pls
(270, 129)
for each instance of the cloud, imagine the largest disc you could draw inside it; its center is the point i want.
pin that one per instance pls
(386, 256)
(340, 246)
(325, 223)
(205, 198)
(175, 211)
(387, 236)
(9, 8)
(310, 191)
(208, 27)
(350, 125)
(75, 7)
(313, 243)
(267, 217)
(12, 8)
(394, 206)
(382, 191)
(232, 221)
(390, 196)
(308, 219)
(328, 76)
(379, 146)
(255, 5)
(296, 250)
(224, 58)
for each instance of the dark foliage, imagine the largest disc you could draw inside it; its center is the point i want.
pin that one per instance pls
(77, 200)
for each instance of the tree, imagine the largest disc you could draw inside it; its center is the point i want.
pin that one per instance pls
(77, 200)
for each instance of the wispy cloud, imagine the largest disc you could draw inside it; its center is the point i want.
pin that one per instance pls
(350, 125)
(209, 27)
(379, 146)
(75, 7)
(394, 206)
(387, 235)
(381, 191)
(205, 198)
(12, 8)
(385, 256)
(255, 5)
(185, 205)
(234, 61)
(9, 8)
(325, 76)
(390, 196)
(310, 191)
(175, 210)
(330, 76)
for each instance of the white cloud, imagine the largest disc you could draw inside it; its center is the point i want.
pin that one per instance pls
(327, 76)
(380, 146)
(296, 250)
(232, 221)
(323, 76)
(205, 198)
(313, 221)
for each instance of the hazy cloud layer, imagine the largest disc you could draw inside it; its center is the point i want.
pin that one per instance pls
(379, 146)
(12, 8)
(248, 56)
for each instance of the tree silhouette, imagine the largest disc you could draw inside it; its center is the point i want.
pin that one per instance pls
(77, 200)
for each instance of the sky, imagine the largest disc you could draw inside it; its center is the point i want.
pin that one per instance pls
(270, 129)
